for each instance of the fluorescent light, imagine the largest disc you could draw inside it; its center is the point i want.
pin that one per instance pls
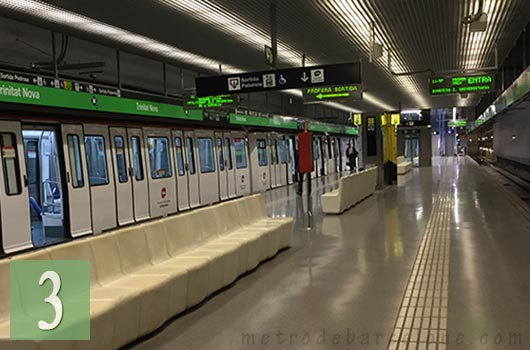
(234, 25)
(353, 20)
(411, 111)
(60, 16)
(368, 97)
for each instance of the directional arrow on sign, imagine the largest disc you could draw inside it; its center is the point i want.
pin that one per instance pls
(304, 77)
(326, 96)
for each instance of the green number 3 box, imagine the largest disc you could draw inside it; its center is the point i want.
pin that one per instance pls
(50, 300)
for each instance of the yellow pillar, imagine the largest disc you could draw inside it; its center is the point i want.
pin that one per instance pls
(389, 124)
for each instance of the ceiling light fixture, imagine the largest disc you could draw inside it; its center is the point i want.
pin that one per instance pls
(353, 20)
(236, 26)
(55, 15)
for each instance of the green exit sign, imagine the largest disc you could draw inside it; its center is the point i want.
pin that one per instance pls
(217, 101)
(459, 123)
(462, 84)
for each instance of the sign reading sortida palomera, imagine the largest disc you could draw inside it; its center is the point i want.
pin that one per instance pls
(218, 101)
(281, 79)
(11, 92)
(333, 93)
(462, 84)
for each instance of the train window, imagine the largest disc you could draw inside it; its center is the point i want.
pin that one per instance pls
(276, 152)
(96, 160)
(137, 158)
(206, 155)
(159, 161)
(121, 163)
(180, 157)
(262, 152)
(220, 154)
(273, 159)
(229, 154)
(241, 153)
(74, 153)
(283, 152)
(191, 155)
(12, 184)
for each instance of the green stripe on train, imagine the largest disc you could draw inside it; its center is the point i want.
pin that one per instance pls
(12, 92)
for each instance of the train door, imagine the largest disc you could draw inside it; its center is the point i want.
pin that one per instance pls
(241, 163)
(323, 154)
(336, 154)
(291, 169)
(209, 178)
(162, 185)
(137, 173)
(191, 165)
(14, 196)
(230, 170)
(45, 184)
(124, 195)
(102, 190)
(282, 160)
(221, 163)
(182, 171)
(76, 179)
(259, 162)
(331, 159)
(321, 157)
(314, 147)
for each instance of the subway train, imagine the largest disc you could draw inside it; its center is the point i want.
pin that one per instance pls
(67, 178)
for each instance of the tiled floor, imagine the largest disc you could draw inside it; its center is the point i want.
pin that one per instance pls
(446, 235)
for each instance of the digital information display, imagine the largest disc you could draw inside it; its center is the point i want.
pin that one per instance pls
(462, 84)
(217, 101)
(459, 123)
(333, 93)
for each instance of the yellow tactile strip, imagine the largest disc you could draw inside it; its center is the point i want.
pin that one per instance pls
(422, 320)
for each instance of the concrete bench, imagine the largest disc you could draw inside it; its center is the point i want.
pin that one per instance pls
(352, 189)
(403, 166)
(143, 275)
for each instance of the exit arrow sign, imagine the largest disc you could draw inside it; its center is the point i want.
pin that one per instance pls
(351, 92)
(328, 96)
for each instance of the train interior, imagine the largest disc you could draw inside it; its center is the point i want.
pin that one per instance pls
(46, 195)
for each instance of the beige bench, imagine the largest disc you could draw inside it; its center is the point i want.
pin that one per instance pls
(352, 189)
(403, 166)
(145, 274)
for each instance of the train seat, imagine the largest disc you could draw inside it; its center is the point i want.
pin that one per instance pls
(352, 189)
(403, 165)
(142, 275)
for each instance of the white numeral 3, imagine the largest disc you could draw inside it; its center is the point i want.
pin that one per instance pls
(53, 300)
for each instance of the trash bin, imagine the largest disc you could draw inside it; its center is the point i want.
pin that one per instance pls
(390, 173)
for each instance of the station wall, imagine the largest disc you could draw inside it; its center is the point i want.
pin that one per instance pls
(512, 136)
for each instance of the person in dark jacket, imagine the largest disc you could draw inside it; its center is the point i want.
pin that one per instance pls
(351, 154)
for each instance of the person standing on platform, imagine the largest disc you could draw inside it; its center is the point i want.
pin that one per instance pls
(351, 154)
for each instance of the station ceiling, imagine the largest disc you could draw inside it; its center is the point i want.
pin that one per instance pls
(416, 35)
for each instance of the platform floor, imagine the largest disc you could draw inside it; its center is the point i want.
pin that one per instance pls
(440, 261)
